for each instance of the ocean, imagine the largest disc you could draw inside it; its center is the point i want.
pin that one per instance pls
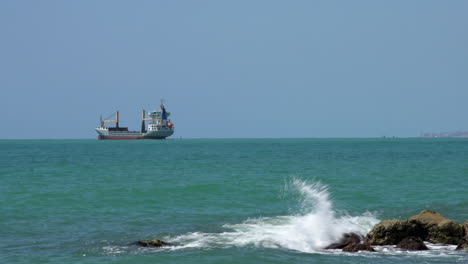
(222, 200)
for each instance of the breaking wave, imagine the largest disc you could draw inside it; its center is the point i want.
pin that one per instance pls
(317, 225)
(314, 228)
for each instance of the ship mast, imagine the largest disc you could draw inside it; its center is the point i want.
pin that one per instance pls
(163, 110)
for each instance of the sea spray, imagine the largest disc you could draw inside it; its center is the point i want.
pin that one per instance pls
(314, 227)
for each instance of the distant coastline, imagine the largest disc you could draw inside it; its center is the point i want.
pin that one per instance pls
(457, 134)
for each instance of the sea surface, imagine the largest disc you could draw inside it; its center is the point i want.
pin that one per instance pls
(222, 200)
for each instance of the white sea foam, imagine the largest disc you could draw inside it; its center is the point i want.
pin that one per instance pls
(315, 227)
(435, 250)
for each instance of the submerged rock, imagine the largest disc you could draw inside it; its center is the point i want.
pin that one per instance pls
(437, 228)
(412, 243)
(153, 243)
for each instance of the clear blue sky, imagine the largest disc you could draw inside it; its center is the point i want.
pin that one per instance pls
(235, 68)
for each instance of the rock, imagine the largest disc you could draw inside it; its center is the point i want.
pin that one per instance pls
(153, 243)
(412, 243)
(350, 242)
(463, 244)
(428, 225)
(437, 228)
(428, 216)
(392, 231)
(355, 247)
(465, 226)
(448, 232)
(347, 239)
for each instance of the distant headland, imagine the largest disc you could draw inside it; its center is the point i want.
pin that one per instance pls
(457, 134)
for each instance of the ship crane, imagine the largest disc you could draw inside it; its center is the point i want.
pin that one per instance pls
(116, 120)
(143, 119)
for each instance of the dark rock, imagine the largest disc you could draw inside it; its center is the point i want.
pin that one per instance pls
(465, 226)
(437, 228)
(392, 231)
(355, 247)
(463, 244)
(347, 239)
(153, 243)
(412, 243)
(350, 242)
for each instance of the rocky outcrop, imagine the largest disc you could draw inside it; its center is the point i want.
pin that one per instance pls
(427, 225)
(408, 234)
(153, 243)
(351, 242)
(437, 228)
(412, 243)
(392, 231)
(465, 227)
(463, 244)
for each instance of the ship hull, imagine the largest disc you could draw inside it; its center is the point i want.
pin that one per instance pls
(119, 137)
(106, 134)
(129, 137)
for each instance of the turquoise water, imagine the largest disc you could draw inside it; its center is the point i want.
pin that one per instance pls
(222, 200)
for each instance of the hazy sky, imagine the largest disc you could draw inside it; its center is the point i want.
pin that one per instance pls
(235, 68)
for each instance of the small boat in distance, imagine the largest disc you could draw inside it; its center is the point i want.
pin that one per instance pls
(159, 127)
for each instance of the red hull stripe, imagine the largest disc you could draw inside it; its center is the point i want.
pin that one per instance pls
(120, 137)
(128, 137)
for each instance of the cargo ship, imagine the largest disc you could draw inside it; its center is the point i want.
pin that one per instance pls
(159, 127)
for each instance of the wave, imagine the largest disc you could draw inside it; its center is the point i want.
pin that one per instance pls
(317, 225)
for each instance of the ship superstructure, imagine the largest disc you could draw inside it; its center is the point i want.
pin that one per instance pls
(159, 126)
